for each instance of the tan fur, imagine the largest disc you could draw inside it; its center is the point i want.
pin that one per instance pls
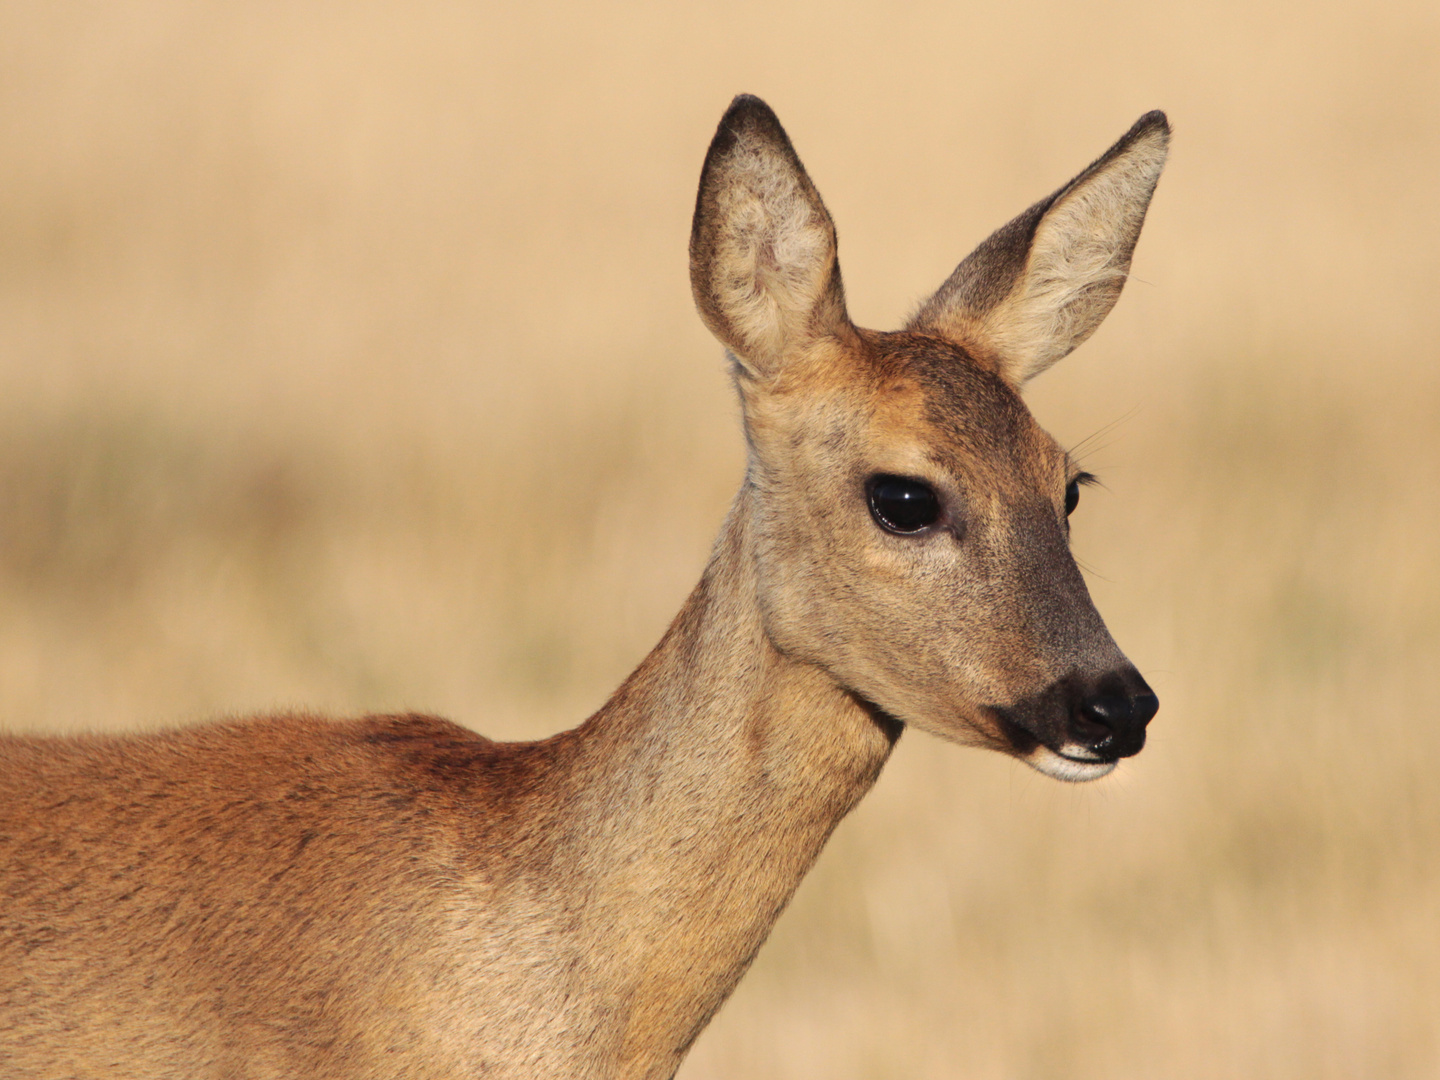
(1076, 249)
(396, 896)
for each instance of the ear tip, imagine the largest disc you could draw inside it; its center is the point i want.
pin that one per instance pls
(747, 111)
(1154, 124)
(747, 101)
(748, 122)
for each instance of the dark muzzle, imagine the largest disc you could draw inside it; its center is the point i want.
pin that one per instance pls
(1103, 717)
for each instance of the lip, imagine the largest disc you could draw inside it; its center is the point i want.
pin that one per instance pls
(1071, 766)
(1067, 761)
(1082, 754)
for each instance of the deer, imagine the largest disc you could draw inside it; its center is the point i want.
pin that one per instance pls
(398, 896)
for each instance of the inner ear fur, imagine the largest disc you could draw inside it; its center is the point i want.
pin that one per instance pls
(762, 247)
(1040, 285)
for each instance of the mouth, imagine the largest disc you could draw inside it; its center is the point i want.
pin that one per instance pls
(1072, 763)
(1079, 729)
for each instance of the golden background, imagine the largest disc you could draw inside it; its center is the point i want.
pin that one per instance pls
(347, 360)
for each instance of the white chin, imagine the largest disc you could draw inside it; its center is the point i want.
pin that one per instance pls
(1075, 769)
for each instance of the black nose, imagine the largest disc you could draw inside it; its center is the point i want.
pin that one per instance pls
(1114, 724)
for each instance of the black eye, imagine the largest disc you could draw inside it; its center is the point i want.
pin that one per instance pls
(901, 505)
(1072, 496)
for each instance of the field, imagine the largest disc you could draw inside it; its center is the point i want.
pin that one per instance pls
(347, 361)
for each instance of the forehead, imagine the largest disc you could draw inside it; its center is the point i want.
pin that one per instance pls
(970, 413)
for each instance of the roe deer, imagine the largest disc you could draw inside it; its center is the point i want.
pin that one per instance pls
(395, 896)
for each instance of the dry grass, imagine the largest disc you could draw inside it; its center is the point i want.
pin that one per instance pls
(346, 359)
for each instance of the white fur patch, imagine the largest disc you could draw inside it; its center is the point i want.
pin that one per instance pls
(1076, 769)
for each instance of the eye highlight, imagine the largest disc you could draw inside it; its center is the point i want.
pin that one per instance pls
(902, 505)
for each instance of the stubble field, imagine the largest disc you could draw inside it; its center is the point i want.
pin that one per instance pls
(347, 361)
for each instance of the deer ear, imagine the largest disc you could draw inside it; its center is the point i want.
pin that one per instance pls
(762, 246)
(1040, 285)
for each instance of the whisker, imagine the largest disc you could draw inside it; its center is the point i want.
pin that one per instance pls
(1092, 572)
(1083, 447)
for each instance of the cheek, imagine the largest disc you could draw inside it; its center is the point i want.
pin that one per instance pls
(795, 561)
(911, 625)
(938, 642)
(881, 619)
(826, 595)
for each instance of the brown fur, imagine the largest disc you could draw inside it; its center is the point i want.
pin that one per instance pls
(397, 896)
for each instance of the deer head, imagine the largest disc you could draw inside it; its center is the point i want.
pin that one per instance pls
(909, 517)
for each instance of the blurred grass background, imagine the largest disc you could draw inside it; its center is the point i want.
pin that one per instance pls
(347, 360)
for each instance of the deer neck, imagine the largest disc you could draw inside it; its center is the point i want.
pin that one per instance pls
(719, 770)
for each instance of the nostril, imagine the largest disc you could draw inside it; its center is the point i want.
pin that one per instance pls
(1098, 718)
(1145, 706)
(1113, 724)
